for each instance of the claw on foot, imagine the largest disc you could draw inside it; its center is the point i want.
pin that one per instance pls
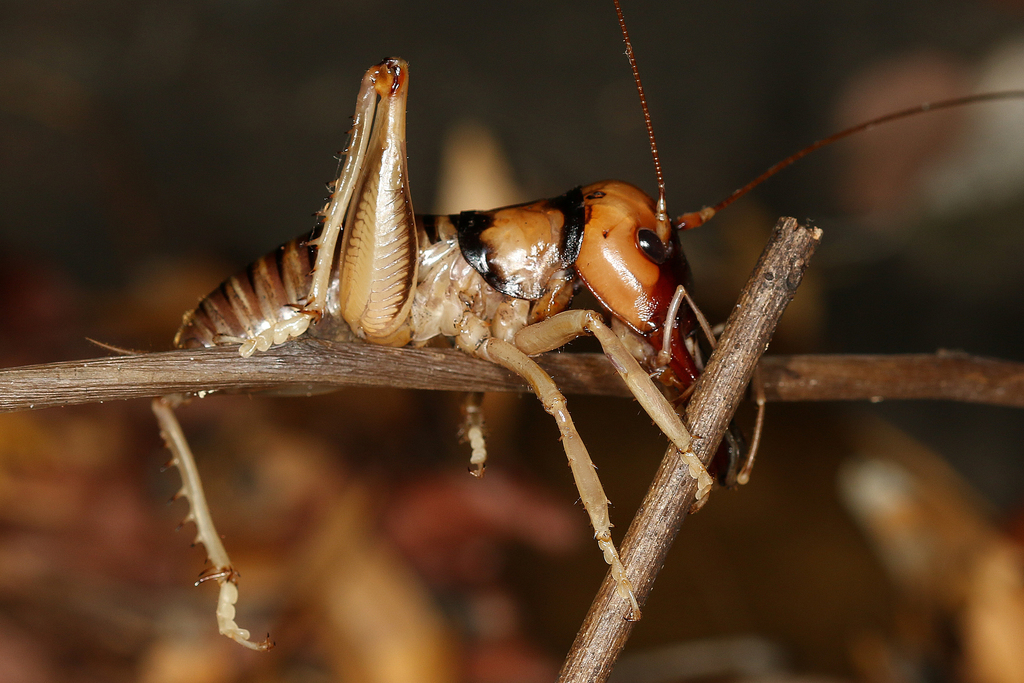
(212, 574)
(478, 459)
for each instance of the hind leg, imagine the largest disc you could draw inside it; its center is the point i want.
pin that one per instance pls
(221, 570)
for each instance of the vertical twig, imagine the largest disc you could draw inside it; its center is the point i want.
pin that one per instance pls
(720, 389)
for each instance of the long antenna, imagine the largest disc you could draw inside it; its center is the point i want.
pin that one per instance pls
(692, 220)
(661, 213)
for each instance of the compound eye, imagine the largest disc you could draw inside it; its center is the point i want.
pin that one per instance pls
(653, 248)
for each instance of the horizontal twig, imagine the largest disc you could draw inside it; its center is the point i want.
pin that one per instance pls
(315, 364)
(946, 375)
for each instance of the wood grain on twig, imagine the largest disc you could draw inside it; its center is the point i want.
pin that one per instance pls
(315, 364)
(719, 390)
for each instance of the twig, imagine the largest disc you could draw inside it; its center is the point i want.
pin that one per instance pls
(719, 391)
(316, 364)
(946, 375)
(308, 363)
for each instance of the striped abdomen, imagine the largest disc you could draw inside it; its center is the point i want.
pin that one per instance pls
(264, 293)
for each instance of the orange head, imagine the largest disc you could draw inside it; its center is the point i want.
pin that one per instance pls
(633, 266)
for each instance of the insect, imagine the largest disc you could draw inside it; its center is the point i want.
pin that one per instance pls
(496, 283)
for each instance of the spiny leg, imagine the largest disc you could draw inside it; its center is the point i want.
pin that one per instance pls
(334, 217)
(560, 329)
(595, 502)
(192, 489)
(341, 198)
(378, 261)
(473, 430)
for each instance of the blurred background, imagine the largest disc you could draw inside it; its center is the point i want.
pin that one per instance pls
(149, 149)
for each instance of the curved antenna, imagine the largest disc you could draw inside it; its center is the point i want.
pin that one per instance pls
(661, 213)
(692, 220)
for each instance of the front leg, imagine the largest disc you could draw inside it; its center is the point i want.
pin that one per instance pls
(560, 329)
(474, 337)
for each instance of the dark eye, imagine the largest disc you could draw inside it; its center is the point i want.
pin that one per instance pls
(652, 247)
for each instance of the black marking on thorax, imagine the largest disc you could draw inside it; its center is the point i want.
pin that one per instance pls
(428, 223)
(470, 226)
(571, 206)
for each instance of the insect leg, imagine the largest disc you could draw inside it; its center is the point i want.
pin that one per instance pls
(757, 383)
(334, 214)
(199, 513)
(379, 252)
(473, 431)
(341, 197)
(681, 295)
(560, 329)
(587, 482)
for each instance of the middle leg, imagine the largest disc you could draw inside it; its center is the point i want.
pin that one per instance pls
(592, 494)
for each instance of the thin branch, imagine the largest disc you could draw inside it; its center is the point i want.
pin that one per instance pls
(719, 390)
(946, 375)
(316, 364)
(307, 364)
